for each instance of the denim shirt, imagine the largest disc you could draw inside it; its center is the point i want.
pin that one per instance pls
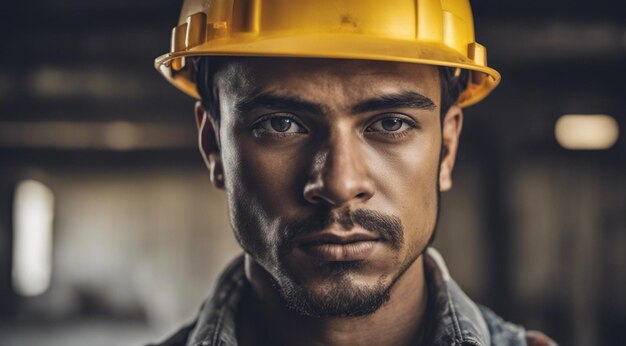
(452, 318)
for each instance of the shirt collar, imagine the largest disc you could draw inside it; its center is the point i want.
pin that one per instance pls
(216, 321)
(453, 318)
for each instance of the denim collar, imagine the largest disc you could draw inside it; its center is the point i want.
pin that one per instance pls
(453, 319)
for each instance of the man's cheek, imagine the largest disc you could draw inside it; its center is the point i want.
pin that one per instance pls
(248, 221)
(274, 182)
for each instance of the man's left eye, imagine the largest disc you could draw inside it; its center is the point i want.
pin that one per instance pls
(390, 125)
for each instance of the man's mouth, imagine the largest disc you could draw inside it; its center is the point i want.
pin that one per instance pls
(345, 246)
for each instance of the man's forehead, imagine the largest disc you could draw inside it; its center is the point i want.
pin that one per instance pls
(243, 77)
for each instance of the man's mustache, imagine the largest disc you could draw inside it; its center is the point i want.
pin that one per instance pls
(388, 227)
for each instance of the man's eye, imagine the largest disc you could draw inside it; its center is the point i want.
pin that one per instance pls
(279, 124)
(390, 125)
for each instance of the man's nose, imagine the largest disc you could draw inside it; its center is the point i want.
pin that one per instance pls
(340, 174)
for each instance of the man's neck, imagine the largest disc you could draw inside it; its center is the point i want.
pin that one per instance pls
(397, 322)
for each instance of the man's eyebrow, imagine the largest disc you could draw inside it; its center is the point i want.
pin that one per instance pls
(406, 99)
(278, 102)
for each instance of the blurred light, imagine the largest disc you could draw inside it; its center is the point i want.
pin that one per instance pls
(116, 135)
(83, 81)
(586, 132)
(32, 239)
(122, 135)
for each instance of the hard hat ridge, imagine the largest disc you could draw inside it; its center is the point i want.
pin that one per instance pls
(435, 32)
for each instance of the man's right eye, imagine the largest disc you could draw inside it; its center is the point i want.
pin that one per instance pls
(278, 124)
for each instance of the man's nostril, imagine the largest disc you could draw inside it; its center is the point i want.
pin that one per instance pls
(317, 199)
(361, 195)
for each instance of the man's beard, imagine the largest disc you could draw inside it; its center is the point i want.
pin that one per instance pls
(342, 298)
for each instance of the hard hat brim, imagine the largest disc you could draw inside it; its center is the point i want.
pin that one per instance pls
(335, 46)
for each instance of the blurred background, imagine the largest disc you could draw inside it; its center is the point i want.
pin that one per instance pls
(111, 234)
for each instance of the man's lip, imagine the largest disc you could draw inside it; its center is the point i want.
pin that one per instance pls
(335, 238)
(352, 245)
(335, 252)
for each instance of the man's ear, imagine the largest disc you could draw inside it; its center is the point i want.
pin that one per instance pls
(208, 141)
(451, 131)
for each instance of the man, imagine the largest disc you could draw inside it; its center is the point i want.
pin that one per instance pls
(333, 126)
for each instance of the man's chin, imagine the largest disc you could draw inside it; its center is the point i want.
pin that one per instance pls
(335, 297)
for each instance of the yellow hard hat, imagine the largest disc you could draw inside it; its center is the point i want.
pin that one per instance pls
(435, 32)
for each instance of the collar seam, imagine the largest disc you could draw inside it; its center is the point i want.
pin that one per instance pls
(457, 327)
(231, 286)
(218, 327)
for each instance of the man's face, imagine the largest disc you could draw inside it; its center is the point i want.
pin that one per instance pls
(331, 172)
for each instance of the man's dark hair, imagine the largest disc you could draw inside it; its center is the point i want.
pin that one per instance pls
(452, 84)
